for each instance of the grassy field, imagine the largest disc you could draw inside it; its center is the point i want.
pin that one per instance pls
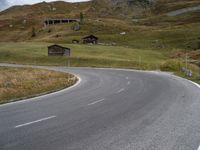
(18, 83)
(96, 56)
(82, 55)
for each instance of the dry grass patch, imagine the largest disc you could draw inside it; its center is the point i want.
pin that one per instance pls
(18, 83)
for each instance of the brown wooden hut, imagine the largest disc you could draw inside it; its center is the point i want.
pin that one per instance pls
(57, 50)
(90, 39)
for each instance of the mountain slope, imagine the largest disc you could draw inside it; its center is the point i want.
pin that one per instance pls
(144, 24)
(101, 17)
(18, 21)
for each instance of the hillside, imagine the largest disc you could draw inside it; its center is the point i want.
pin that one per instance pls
(145, 23)
(17, 22)
(132, 34)
(165, 6)
(98, 14)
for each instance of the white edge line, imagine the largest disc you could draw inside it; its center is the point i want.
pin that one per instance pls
(196, 85)
(198, 148)
(96, 102)
(36, 121)
(43, 96)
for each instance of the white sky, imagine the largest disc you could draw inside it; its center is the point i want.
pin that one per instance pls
(7, 3)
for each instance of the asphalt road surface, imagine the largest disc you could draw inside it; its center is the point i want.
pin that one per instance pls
(108, 110)
(183, 11)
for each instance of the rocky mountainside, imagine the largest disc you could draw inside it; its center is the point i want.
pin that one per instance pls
(123, 8)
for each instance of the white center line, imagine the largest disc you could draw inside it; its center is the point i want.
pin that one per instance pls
(129, 83)
(127, 78)
(36, 121)
(96, 102)
(121, 90)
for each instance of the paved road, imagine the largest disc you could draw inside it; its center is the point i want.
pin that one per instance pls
(107, 110)
(183, 11)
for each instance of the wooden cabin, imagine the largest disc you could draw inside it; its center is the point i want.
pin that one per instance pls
(57, 50)
(90, 39)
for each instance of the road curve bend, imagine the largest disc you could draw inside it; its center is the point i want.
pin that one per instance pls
(108, 110)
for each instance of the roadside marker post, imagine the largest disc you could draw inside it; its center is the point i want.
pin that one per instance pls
(68, 61)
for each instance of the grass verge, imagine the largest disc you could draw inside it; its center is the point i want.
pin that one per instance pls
(176, 65)
(20, 83)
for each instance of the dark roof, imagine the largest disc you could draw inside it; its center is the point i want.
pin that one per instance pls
(90, 36)
(55, 45)
(61, 19)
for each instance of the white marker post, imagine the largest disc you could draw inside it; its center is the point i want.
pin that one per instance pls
(68, 63)
(68, 54)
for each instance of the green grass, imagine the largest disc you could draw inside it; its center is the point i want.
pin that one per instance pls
(82, 55)
(166, 36)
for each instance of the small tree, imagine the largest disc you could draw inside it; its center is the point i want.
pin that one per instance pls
(76, 26)
(33, 32)
(49, 30)
(81, 18)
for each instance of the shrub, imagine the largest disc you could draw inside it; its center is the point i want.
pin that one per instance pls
(76, 27)
(171, 65)
(33, 32)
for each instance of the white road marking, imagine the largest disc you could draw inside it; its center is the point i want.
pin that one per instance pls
(198, 148)
(196, 85)
(128, 83)
(121, 90)
(36, 121)
(96, 102)
(127, 78)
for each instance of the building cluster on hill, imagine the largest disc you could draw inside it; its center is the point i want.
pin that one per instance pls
(57, 50)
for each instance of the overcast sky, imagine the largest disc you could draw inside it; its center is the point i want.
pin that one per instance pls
(7, 3)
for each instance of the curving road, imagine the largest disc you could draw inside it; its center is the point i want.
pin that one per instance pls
(108, 110)
(183, 11)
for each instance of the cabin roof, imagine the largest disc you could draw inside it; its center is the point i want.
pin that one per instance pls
(55, 45)
(90, 36)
